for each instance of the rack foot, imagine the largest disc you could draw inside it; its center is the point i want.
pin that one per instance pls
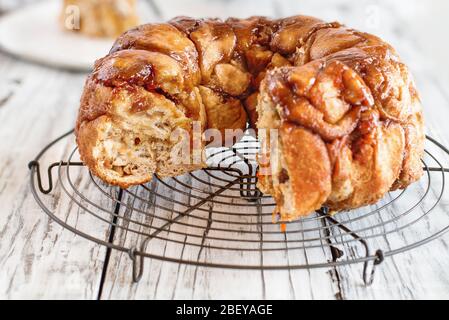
(367, 276)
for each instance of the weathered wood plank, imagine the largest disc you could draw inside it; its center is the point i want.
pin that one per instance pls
(37, 258)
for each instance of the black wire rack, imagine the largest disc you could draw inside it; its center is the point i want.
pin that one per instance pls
(216, 217)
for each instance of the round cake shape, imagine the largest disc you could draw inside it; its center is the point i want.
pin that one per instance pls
(337, 112)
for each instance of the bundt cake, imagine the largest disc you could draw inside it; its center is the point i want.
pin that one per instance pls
(337, 113)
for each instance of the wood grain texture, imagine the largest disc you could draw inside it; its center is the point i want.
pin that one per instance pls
(39, 259)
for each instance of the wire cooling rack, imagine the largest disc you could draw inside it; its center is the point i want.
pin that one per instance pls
(217, 217)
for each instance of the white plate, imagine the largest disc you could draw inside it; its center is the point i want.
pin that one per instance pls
(34, 33)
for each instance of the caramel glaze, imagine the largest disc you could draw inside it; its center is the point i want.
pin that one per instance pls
(343, 86)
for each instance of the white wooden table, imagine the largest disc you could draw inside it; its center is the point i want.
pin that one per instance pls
(39, 259)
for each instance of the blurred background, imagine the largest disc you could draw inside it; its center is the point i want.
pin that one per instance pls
(423, 23)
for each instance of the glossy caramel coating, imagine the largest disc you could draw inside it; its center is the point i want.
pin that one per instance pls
(348, 114)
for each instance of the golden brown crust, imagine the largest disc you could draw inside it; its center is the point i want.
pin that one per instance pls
(308, 170)
(348, 114)
(166, 39)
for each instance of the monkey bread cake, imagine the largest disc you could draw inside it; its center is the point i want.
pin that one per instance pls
(337, 112)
